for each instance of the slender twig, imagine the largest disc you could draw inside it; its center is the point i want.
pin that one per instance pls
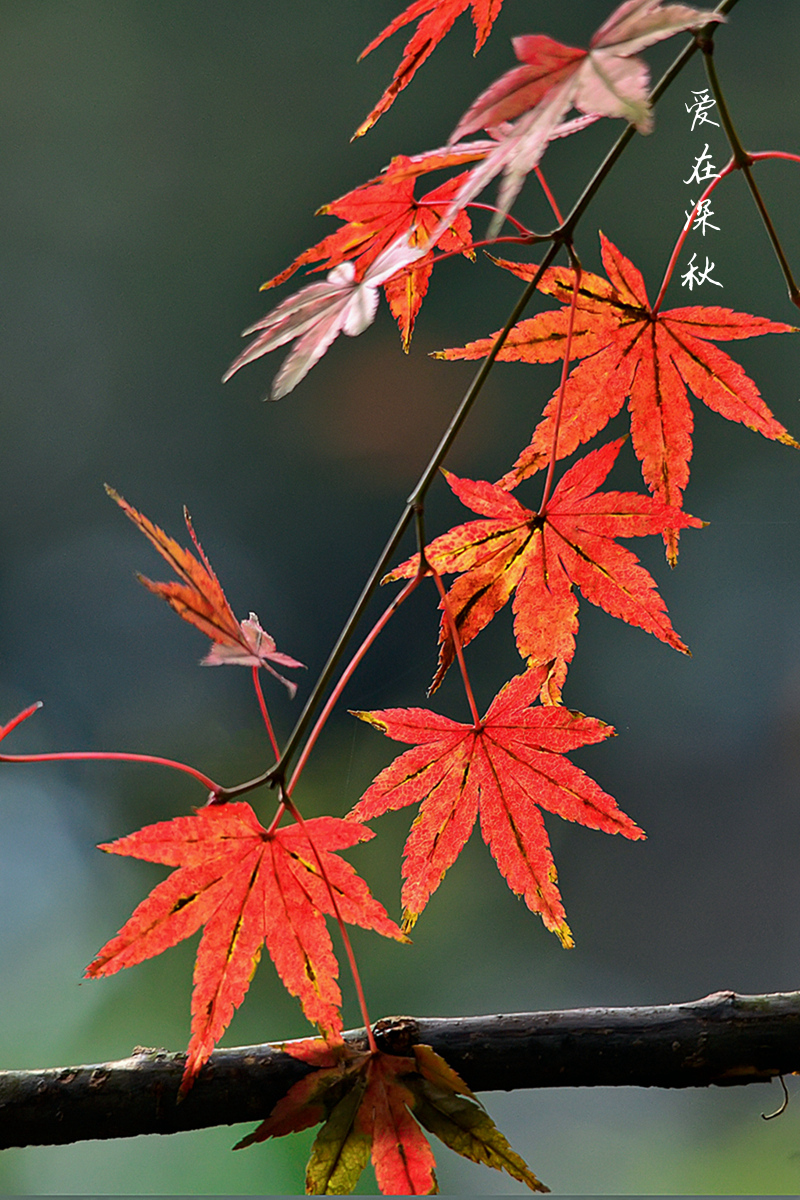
(740, 155)
(347, 674)
(98, 755)
(743, 161)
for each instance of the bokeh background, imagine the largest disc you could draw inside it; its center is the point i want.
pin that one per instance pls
(160, 160)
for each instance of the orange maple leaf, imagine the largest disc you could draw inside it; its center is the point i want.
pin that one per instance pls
(543, 557)
(628, 351)
(248, 887)
(366, 1101)
(509, 767)
(376, 214)
(201, 601)
(437, 16)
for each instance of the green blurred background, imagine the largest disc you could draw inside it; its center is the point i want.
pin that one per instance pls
(160, 160)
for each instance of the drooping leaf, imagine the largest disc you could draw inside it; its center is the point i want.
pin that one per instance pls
(379, 212)
(509, 767)
(446, 1106)
(200, 600)
(543, 558)
(316, 315)
(605, 80)
(437, 16)
(628, 351)
(366, 1101)
(248, 887)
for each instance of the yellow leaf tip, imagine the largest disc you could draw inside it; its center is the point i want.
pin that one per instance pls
(564, 935)
(409, 921)
(370, 718)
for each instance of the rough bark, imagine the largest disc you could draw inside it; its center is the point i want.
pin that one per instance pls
(722, 1039)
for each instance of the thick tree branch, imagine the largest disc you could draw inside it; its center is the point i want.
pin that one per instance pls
(722, 1039)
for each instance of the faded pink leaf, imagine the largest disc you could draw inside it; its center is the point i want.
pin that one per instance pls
(318, 313)
(256, 649)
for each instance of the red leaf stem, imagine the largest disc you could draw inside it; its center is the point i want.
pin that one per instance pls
(345, 677)
(548, 483)
(732, 166)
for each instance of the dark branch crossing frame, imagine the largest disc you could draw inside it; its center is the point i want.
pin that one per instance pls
(724, 1039)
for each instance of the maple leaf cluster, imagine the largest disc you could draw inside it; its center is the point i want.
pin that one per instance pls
(372, 1105)
(630, 351)
(543, 558)
(250, 886)
(389, 236)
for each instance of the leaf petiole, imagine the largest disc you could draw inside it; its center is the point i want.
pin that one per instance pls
(726, 170)
(289, 806)
(551, 200)
(265, 713)
(548, 483)
(455, 635)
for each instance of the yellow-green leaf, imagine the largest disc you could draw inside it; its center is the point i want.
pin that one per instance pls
(340, 1151)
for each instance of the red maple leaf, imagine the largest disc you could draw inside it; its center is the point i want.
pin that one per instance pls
(545, 556)
(366, 1101)
(437, 16)
(376, 214)
(628, 351)
(200, 600)
(248, 887)
(509, 766)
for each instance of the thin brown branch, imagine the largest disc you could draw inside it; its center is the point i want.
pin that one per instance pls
(722, 1039)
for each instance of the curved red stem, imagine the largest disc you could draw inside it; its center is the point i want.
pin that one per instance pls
(732, 166)
(550, 197)
(96, 755)
(346, 675)
(286, 803)
(262, 704)
(454, 634)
